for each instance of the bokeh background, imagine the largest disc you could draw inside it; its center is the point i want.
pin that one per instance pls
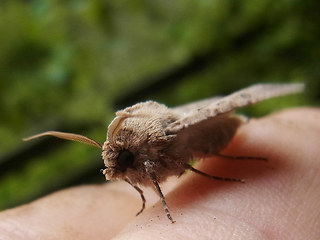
(68, 65)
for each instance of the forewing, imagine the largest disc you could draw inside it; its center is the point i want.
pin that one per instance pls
(208, 137)
(241, 98)
(186, 109)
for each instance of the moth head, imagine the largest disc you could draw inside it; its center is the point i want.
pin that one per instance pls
(117, 156)
(113, 128)
(118, 162)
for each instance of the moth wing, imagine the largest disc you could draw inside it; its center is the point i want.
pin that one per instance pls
(207, 137)
(186, 109)
(241, 98)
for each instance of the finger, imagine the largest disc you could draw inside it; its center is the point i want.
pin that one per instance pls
(278, 201)
(87, 212)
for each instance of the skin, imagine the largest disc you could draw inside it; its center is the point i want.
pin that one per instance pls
(280, 199)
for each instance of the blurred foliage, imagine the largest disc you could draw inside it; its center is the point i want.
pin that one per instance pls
(64, 64)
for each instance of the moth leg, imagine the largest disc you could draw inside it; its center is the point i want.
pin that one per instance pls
(164, 204)
(148, 166)
(180, 174)
(141, 195)
(241, 157)
(214, 177)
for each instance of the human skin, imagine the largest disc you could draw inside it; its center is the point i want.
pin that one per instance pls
(279, 200)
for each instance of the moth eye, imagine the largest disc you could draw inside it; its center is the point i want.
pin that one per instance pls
(125, 160)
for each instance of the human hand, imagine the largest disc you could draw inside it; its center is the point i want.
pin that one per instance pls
(280, 199)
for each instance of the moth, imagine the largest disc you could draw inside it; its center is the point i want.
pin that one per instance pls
(148, 142)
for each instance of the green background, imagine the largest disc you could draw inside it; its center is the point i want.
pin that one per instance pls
(68, 65)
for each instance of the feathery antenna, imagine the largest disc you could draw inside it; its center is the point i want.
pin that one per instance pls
(67, 136)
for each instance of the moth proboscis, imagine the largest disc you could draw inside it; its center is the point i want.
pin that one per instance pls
(148, 142)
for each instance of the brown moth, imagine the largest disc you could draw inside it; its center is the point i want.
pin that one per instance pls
(148, 142)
